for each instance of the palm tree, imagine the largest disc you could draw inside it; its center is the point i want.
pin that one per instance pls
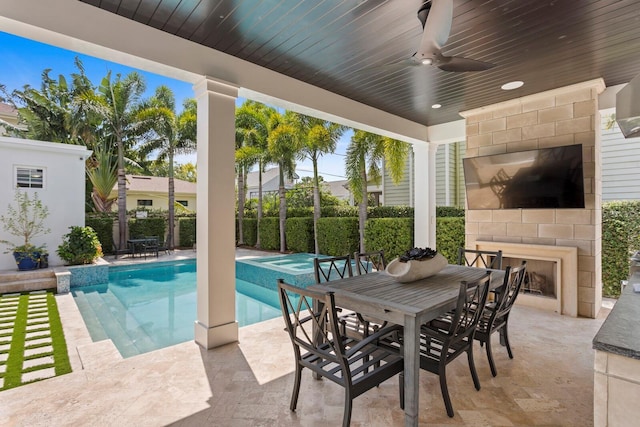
(284, 146)
(319, 137)
(102, 171)
(367, 151)
(117, 103)
(254, 122)
(168, 134)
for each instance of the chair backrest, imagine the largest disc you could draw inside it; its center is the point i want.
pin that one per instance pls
(367, 262)
(483, 259)
(508, 292)
(332, 268)
(472, 297)
(312, 327)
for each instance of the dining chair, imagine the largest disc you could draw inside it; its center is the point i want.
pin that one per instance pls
(150, 245)
(319, 344)
(367, 262)
(495, 316)
(327, 269)
(451, 335)
(482, 259)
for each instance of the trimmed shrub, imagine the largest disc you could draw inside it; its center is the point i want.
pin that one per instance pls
(449, 237)
(339, 211)
(270, 233)
(103, 226)
(338, 236)
(449, 211)
(187, 236)
(250, 231)
(148, 227)
(620, 238)
(393, 235)
(390, 212)
(299, 235)
(80, 246)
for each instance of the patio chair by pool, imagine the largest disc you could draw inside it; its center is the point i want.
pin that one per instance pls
(482, 259)
(495, 317)
(319, 345)
(367, 262)
(451, 335)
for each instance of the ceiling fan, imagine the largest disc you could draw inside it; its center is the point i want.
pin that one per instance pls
(436, 17)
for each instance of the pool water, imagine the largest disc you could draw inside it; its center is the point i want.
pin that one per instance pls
(147, 307)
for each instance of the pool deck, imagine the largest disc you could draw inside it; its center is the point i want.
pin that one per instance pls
(249, 383)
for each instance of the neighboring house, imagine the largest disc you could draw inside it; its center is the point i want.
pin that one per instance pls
(270, 182)
(449, 179)
(620, 162)
(57, 173)
(339, 189)
(9, 115)
(152, 192)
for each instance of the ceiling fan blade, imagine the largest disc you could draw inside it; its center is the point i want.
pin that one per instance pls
(459, 64)
(436, 18)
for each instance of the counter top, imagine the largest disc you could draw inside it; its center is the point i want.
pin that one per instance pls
(620, 332)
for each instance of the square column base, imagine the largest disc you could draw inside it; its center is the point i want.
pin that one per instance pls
(215, 336)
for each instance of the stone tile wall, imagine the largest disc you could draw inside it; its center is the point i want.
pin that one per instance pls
(563, 116)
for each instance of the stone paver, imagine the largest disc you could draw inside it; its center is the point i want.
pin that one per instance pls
(44, 340)
(38, 350)
(30, 363)
(40, 374)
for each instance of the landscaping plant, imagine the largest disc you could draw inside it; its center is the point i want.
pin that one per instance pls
(80, 246)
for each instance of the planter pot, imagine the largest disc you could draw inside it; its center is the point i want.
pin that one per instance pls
(27, 260)
(415, 270)
(44, 261)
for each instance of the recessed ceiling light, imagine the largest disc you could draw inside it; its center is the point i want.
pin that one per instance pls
(512, 85)
(436, 106)
(427, 61)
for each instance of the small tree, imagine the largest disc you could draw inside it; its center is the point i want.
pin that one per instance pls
(80, 246)
(25, 220)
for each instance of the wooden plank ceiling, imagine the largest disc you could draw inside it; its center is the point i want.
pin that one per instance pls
(352, 47)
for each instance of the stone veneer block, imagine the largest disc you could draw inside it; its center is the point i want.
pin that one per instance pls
(470, 227)
(584, 108)
(556, 141)
(539, 216)
(573, 216)
(493, 125)
(581, 124)
(587, 139)
(562, 112)
(507, 215)
(578, 95)
(589, 169)
(524, 119)
(476, 141)
(481, 215)
(472, 129)
(538, 241)
(492, 228)
(585, 232)
(585, 294)
(522, 230)
(510, 110)
(585, 279)
(584, 246)
(623, 402)
(586, 263)
(506, 136)
(529, 144)
(539, 131)
(492, 149)
(538, 104)
(586, 309)
(481, 116)
(556, 231)
(623, 367)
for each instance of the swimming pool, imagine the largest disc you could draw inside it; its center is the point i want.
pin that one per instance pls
(146, 307)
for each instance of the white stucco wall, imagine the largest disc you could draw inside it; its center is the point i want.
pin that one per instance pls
(62, 193)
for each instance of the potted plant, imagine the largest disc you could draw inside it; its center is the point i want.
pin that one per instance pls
(25, 220)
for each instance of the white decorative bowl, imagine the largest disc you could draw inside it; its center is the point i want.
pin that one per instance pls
(415, 270)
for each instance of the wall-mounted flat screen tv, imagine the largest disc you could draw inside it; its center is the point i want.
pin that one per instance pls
(536, 179)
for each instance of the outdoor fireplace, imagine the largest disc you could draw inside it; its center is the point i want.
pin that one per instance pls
(552, 274)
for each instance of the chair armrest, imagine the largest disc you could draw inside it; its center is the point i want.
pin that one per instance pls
(373, 338)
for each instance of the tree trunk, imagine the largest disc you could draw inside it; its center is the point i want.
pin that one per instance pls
(362, 207)
(316, 204)
(172, 196)
(241, 201)
(122, 198)
(283, 210)
(259, 216)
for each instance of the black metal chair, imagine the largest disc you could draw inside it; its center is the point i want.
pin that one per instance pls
(151, 245)
(482, 259)
(318, 344)
(333, 268)
(449, 336)
(367, 262)
(495, 316)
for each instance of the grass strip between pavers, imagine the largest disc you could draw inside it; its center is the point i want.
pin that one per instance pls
(13, 371)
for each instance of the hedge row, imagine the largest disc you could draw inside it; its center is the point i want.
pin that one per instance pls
(103, 226)
(620, 238)
(148, 227)
(187, 236)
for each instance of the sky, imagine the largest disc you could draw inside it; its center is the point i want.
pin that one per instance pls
(23, 61)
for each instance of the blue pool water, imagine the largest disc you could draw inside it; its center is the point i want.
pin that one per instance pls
(147, 307)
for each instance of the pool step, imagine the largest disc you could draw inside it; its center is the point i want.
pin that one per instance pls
(25, 281)
(115, 323)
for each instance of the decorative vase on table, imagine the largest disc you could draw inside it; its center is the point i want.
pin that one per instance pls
(416, 264)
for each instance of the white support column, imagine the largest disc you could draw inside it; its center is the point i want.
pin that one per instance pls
(424, 168)
(216, 316)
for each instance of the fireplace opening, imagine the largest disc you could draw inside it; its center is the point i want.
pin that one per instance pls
(540, 278)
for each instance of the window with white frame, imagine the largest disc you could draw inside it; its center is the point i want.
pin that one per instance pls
(29, 177)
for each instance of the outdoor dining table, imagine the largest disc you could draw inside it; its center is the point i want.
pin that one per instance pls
(140, 243)
(380, 296)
